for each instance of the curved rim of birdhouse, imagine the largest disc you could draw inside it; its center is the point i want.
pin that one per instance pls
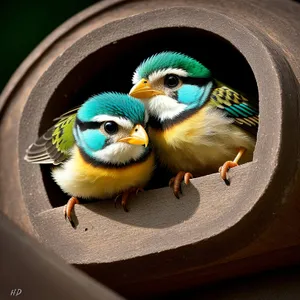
(263, 189)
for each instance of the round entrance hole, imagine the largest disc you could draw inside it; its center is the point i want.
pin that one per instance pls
(162, 240)
(111, 69)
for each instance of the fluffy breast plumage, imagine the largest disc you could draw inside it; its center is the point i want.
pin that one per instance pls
(78, 178)
(201, 143)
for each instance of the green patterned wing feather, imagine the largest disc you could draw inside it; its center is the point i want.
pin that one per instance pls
(62, 136)
(55, 145)
(236, 106)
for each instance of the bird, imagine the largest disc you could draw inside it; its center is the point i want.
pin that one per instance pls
(99, 150)
(197, 124)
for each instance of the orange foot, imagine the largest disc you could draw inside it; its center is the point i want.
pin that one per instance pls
(176, 182)
(68, 209)
(230, 164)
(125, 196)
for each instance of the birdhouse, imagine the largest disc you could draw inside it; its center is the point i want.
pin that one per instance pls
(213, 231)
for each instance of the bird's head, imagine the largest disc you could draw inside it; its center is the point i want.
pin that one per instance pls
(170, 83)
(109, 128)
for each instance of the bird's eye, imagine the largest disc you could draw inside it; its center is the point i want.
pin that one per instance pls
(171, 81)
(111, 127)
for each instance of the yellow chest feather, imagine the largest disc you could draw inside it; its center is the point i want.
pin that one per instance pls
(79, 178)
(200, 143)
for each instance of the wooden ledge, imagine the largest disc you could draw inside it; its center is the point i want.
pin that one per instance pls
(157, 221)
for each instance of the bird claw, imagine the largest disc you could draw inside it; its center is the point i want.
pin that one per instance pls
(230, 164)
(68, 208)
(176, 182)
(187, 177)
(138, 190)
(116, 199)
(225, 168)
(124, 204)
(125, 195)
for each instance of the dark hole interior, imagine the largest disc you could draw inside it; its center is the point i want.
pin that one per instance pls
(111, 69)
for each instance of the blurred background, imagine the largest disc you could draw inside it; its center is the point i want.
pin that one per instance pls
(24, 24)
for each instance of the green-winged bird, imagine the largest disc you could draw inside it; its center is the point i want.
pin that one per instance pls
(101, 149)
(196, 123)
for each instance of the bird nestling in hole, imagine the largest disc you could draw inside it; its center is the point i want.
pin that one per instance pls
(197, 124)
(101, 150)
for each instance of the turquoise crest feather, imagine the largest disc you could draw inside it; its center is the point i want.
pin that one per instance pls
(114, 106)
(165, 60)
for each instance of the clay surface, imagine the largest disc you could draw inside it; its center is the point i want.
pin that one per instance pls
(164, 241)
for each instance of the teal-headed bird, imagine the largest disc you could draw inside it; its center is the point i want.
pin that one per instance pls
(101, 149)
(196, 123)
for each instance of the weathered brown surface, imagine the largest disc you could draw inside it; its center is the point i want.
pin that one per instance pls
(164, 243)
(40, 274)
(280, 284)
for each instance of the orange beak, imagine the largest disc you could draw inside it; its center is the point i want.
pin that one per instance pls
(144, 90)
(138, 136)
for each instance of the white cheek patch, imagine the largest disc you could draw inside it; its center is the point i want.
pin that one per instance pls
(164, 107)
(119, 153)
(136, 77)
(125, 123)
(162, 73)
